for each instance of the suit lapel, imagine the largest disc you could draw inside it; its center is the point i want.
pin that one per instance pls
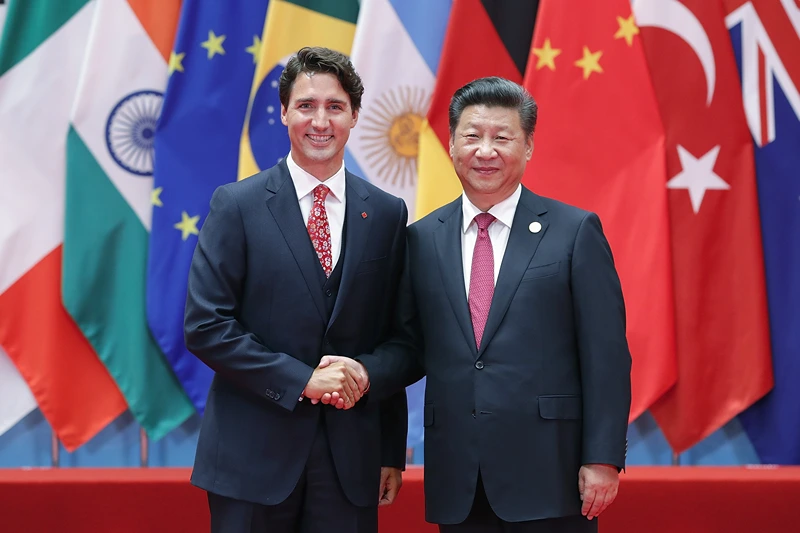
(447, 240)
(522, 244)
(357, 230)
(282, 202)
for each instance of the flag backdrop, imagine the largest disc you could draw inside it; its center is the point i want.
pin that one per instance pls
(505, 31)
(599, 145)
(723, 349)
(42, 48)
(766, 44)
(108, 208)
(197, 149)
(264, 140)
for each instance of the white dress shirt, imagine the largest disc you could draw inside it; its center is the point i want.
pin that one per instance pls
(499, 230)
(304, 184)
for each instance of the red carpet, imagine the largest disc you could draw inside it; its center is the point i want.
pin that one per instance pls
(651, 500)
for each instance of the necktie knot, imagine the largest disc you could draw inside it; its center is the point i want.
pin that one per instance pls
(320, 193)
(483, 220)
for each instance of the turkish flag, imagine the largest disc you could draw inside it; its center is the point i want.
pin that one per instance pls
(724, 361)
(599, 145)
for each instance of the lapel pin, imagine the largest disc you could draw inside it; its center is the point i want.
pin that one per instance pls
(535, 227)
(364, 214)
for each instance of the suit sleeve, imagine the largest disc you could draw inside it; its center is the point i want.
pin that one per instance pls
(394, 410)
(397, 363)
(212, 329)
(605, 360)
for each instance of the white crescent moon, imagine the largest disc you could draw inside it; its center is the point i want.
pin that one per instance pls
(675, 17)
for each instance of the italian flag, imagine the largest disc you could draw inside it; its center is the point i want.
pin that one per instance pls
(40, 58)
(109, 202)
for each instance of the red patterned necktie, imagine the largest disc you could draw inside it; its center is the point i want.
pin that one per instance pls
(481, 280)
(320, 230)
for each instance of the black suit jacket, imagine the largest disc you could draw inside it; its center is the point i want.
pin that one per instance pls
(548, 391)
(255, 314)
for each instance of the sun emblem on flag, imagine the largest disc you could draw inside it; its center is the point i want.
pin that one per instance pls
(131, 129)
(391, 134)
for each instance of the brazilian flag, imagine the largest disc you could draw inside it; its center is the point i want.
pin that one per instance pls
(290, 25)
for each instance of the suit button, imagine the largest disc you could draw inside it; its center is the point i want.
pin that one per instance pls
(479, 365)
(277, 396)
(328, 292)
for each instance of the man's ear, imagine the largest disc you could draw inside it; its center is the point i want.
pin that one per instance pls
(452, 145)
(283, 115)
(529, 148)
(355, 119)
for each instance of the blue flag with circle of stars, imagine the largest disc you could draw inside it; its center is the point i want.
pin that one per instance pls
(196, 150)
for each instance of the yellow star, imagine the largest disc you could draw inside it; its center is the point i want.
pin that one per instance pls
(188, 225)
(590, 62)
(546, 55)
(255, 50)
(155, 197)
(627, 29)
(175, 61)
(214, 44)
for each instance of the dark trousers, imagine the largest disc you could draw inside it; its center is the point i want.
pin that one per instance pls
(317, 504)
(482, 519)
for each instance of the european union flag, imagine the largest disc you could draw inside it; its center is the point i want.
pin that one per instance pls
(772, 104)
(196, 150)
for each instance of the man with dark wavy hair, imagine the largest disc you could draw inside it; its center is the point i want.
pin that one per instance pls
(300, 260)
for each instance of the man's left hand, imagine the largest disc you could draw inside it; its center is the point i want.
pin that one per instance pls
(597, 485)
(391, 481)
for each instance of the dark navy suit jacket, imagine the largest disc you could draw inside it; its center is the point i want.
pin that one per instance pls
(256, 314)
(548, 391)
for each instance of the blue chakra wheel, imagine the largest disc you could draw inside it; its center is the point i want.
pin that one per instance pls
(130, 131)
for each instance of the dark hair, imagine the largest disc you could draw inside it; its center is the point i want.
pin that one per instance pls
(495, 92)
(322, 60)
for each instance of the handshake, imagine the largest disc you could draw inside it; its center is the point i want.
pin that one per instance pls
(338, 381)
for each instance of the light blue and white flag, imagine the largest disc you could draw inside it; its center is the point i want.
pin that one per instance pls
(396, 51)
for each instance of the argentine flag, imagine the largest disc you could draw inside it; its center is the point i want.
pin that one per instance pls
(396, 51)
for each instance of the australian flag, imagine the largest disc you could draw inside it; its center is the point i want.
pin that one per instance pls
(766, 38)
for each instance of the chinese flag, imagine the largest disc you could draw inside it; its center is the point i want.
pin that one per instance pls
(599, 145)
(724, 361)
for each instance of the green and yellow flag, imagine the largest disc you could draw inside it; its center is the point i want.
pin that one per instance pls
(290, 25)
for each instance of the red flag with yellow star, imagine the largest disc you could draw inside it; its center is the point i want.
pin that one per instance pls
(724, 359)
(599, 145)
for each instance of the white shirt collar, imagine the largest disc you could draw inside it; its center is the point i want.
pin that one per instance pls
(304, 183)
(503, 211)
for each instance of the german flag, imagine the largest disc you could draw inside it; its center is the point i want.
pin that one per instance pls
(484, 38)
(290, 25)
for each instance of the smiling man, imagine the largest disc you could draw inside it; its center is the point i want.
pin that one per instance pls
(300, 260)
(512, 307)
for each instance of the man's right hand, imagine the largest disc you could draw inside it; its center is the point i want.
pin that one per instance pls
(334, 378)
(363, 379)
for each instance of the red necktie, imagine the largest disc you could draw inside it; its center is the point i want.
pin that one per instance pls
(481, 280)
(320, 230)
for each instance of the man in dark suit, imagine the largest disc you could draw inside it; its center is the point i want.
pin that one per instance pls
(512, 307)
(300, 260)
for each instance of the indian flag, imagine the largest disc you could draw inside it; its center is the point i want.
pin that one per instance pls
(40, 59)
(290, 25)
(109, 202)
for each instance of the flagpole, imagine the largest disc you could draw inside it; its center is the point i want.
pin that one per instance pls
(676, 459)
(54, 450)
(143, 448)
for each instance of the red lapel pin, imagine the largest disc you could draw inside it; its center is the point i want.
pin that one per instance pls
(364, 214)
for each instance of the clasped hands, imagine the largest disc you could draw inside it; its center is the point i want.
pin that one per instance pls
(338, 381)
